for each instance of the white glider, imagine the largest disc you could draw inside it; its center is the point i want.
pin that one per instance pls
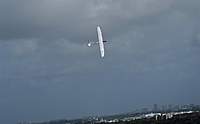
(100, 42)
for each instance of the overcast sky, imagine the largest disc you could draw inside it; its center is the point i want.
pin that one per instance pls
(47, 71)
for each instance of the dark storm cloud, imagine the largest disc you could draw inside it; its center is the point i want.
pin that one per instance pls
(47, 71)
(69, 19)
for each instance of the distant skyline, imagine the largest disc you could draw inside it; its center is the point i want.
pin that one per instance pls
(48, 72)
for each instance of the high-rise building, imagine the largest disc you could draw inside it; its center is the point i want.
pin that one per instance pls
(155, 107)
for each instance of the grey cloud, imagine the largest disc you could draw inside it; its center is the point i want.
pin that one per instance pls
(67, 19)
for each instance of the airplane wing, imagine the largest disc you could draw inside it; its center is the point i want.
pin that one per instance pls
(100, 40)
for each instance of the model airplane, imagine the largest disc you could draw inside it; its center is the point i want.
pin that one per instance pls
(100, 41)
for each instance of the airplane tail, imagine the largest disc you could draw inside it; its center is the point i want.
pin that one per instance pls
(89, 44)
